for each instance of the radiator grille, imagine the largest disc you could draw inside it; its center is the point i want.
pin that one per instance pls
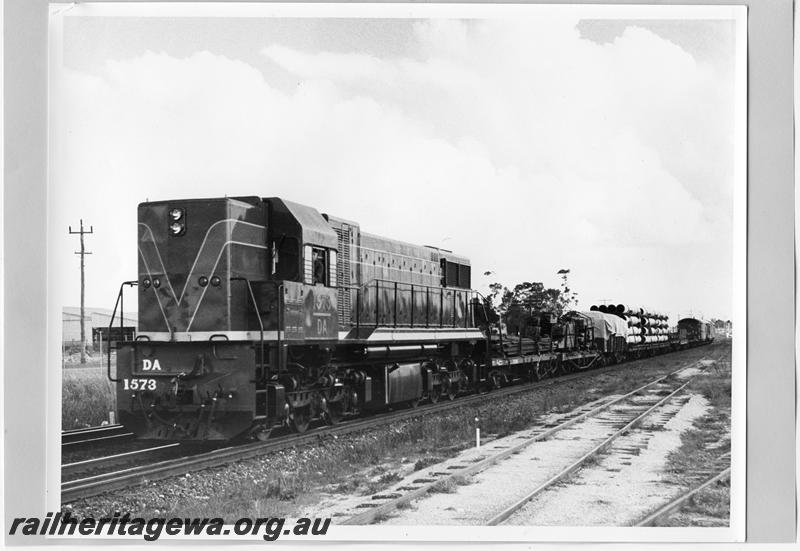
(345, 235)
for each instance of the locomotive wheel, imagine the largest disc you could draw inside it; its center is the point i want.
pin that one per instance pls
(412, 404)
(334, 413)
(299, 419)
(496, 380)
(435, 394)
(449, 390)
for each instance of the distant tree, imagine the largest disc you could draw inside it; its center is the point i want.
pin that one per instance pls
(517, 304)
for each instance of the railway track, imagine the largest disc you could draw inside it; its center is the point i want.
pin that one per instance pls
(663, 512)
(78, 467)
(622, 413)
(105, 433)
(646, 402)
(110, 480)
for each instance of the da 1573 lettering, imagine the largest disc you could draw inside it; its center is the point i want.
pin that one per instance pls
(139, 384)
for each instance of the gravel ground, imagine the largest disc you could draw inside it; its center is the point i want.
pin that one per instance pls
(492, 490)
(623, 486)
(343, 506)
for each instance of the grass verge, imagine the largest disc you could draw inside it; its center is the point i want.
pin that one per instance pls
(705, 449)
(86, 398)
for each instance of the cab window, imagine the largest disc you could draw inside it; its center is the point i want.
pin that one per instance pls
(316, 266)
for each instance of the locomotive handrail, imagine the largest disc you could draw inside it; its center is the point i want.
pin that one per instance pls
(258, 316)
(119, 303)
(395, 286)
(279, 291)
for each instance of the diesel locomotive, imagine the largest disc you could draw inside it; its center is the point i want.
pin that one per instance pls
(256, 313)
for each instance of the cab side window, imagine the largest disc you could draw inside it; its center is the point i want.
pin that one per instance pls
(319, 267)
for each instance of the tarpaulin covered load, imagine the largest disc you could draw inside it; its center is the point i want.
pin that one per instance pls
(606, 325)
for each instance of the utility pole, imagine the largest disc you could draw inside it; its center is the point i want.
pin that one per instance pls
(566, 298)
(82, 252)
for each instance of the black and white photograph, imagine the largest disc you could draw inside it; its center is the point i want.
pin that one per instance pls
(419, 272)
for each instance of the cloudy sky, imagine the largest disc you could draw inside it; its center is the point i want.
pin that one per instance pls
(529, 143)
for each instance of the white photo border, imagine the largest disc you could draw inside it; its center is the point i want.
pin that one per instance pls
(14, 216)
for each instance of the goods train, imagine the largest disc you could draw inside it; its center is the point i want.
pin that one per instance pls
(256, 313)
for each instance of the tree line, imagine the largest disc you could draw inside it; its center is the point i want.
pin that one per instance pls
(514, 306)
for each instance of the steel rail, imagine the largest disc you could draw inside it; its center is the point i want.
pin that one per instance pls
(91, 434)
(368, 516)
(664, 510)
(517, 505)
(77, 466)
(86, 430)
(87, 487)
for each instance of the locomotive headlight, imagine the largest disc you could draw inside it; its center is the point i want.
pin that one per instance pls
(146, 283)
(177, 228)
(203, 281)
(156, 282)
(176, 214)
(215, 281)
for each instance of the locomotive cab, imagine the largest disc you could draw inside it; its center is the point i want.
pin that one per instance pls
(303, 262)
(303, 246)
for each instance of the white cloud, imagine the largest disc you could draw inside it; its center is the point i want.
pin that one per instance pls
(341, 67)
(526, 145)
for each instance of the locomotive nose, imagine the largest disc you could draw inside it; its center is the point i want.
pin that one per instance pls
(189, 251)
